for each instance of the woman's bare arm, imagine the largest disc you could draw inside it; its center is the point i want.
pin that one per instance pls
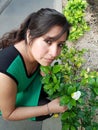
(8, 91)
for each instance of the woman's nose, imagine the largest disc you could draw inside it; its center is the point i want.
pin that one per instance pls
(54, 51)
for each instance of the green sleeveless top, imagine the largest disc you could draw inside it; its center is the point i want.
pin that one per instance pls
(28, 87)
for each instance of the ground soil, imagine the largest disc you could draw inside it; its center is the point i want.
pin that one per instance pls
(90, 38)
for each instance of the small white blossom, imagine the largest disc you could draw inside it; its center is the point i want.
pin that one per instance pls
(76, 95)
(88, 69)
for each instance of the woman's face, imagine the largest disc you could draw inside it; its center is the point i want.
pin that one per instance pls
(44, 50)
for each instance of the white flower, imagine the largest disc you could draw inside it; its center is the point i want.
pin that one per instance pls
(88, 69)
(76, 95)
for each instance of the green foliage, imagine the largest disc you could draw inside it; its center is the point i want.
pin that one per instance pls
(75, 13)
(76, 87)
(64, 80)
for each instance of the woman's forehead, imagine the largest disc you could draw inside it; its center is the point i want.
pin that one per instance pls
(55, 33)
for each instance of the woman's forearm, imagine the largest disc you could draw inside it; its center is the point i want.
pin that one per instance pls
(21, 113)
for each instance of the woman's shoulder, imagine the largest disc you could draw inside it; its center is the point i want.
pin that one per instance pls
(7, 55)
(8, 51)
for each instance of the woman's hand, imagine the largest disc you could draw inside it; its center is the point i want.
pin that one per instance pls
(54, 106)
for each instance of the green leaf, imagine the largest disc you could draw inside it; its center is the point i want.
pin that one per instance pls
(72, 114)
(88, 128)
(54, 78)
(96, 83)
(64, 100)
(45, 69)
(73, 128)
(96, 90)
(81, 114)
(94, 128)
(65, 115)
(73, 102)
(69, 105)
(91, 81)
(65, 126)
(56, 68)
(71, 89)
(50, 92)
(48, 87)
(46, 79)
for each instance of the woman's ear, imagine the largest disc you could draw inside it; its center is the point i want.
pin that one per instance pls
(28, 37)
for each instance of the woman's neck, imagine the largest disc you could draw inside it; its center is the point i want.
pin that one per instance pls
(31, 65)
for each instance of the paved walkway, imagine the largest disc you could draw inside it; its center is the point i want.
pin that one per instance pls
(10, 18)
(17, 10)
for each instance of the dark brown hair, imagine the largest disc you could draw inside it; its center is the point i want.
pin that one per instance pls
(38, 23)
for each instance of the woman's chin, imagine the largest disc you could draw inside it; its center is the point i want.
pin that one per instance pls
(45, 64)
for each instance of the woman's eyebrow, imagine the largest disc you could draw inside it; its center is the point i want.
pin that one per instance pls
(52, 38)
(49, 37)
(62, 41)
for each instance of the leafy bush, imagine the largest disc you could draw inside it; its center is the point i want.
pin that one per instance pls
(75, 13)
(77, 87)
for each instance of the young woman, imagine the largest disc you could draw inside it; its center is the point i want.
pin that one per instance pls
(38, 41)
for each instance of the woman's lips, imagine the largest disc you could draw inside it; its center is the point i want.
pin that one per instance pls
(49, 60)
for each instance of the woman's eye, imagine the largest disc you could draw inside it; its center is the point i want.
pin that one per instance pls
(48, 41)
(60, 45)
